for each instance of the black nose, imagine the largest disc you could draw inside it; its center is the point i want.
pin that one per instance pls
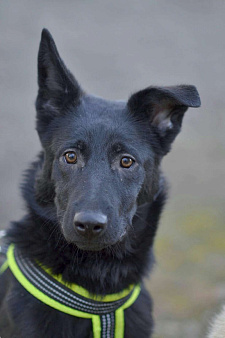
(90, 224)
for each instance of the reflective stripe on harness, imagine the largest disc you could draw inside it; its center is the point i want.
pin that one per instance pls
(106, 313)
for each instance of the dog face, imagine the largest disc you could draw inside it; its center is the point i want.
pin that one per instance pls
(98, 172)
(101, 157)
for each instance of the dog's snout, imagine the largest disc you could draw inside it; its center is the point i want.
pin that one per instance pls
(90, 224)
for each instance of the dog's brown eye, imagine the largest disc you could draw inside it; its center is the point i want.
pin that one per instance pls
(71, 157)
(126, 162)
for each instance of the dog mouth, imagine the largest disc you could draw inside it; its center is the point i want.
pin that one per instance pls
(92, 245)
(98, 246)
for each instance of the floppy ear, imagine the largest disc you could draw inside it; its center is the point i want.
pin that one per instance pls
(58, 89)
(164, 108)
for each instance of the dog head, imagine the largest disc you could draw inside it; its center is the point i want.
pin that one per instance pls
(101, 158)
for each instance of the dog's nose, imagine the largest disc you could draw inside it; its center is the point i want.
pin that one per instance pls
(90, 224)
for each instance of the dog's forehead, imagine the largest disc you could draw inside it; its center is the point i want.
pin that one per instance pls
(100, 124)
(96, 116)
(98, 109)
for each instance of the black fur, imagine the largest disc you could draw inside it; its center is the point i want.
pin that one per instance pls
(101, 133)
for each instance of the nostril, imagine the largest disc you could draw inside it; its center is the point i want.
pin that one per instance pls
(98, 228)
(80, 226)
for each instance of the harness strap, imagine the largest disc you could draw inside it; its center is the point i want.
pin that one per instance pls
(4, 267)
(3, 251)
(106, 313)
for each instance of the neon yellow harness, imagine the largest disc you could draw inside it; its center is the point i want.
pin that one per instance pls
(106, 313)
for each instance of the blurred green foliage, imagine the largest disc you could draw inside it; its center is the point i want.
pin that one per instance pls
(188, 282)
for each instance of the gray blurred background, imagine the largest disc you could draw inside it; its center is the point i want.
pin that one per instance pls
(115, 48)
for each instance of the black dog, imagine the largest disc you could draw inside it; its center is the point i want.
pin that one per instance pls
(94, 197)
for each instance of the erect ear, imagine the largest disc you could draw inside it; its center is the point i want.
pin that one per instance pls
(57, 87)
(164, 108)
